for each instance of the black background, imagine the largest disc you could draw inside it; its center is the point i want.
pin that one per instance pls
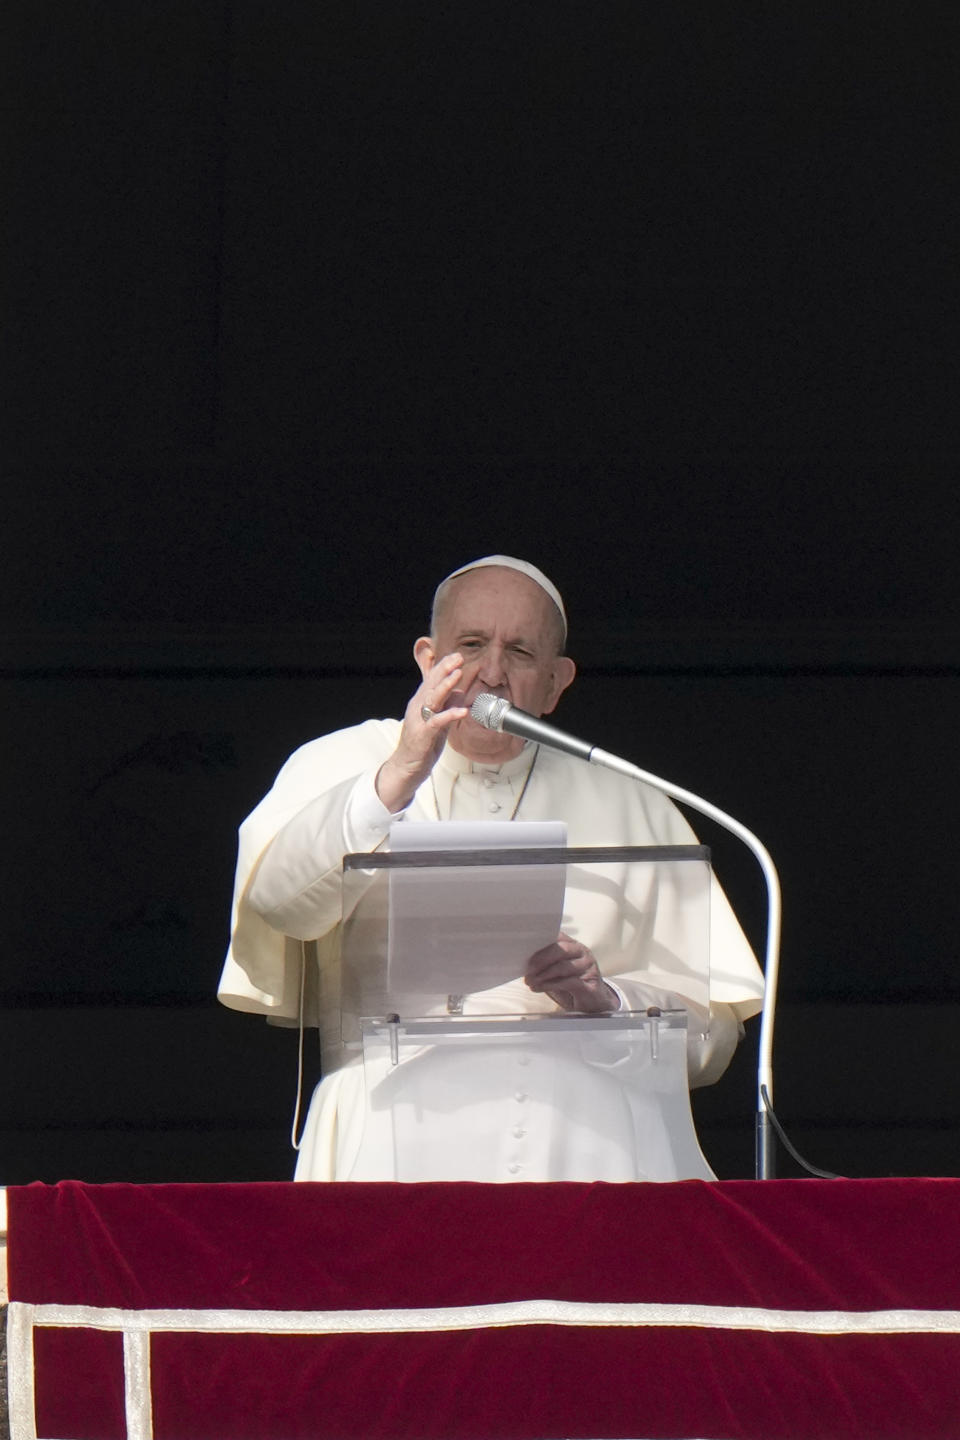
(306, 305)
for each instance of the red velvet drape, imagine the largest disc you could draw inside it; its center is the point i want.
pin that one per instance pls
(776, 1252)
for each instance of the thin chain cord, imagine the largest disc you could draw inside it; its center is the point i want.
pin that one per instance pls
(296, 1141)
(513, 813)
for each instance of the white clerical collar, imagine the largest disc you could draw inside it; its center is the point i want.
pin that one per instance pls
(458, 764)
(473, 780)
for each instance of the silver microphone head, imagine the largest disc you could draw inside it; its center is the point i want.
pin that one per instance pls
(489, 710)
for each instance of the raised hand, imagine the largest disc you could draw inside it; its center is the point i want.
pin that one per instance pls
(427, 718)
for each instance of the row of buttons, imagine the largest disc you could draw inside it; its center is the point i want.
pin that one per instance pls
(494, 807)
(519, 1130)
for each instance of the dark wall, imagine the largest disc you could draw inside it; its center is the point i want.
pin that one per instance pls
(306, 306)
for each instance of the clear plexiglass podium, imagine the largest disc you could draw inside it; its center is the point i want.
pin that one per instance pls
(459, 1083)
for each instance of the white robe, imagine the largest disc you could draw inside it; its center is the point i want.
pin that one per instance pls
(288, 891)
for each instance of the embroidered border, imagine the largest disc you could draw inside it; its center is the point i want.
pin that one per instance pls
(138, 1325)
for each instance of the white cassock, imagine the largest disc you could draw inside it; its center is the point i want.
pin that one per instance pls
(566, 1124)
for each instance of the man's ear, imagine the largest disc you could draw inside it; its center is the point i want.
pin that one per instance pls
(564, 673)
(425, 655)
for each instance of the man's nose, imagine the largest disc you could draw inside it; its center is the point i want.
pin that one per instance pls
(492, 668)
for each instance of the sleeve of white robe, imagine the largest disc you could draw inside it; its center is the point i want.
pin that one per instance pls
(261, 970)
(297, 885)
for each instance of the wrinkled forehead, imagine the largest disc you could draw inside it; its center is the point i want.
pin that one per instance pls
(497, 602)
(503, 578)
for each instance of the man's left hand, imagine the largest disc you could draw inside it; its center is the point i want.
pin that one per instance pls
(569, 974)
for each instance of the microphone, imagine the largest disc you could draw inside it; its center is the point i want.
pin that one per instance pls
(495, 713)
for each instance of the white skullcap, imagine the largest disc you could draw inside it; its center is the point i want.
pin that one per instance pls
(510, 562)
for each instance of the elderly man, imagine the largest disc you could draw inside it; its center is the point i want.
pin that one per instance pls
(498, 626)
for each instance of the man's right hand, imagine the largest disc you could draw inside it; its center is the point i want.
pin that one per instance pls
(423, 737)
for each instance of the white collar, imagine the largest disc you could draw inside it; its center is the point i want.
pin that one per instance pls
(458, 764)
(453, 767)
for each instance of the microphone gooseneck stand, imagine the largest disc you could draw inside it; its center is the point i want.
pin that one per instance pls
(764, 1134)
(496, 713)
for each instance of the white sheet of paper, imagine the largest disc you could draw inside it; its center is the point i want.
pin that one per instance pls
(458, 929)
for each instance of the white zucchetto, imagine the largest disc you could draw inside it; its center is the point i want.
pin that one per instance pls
(510, 562)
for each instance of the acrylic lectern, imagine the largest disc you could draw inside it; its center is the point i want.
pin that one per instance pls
(459, 1083)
